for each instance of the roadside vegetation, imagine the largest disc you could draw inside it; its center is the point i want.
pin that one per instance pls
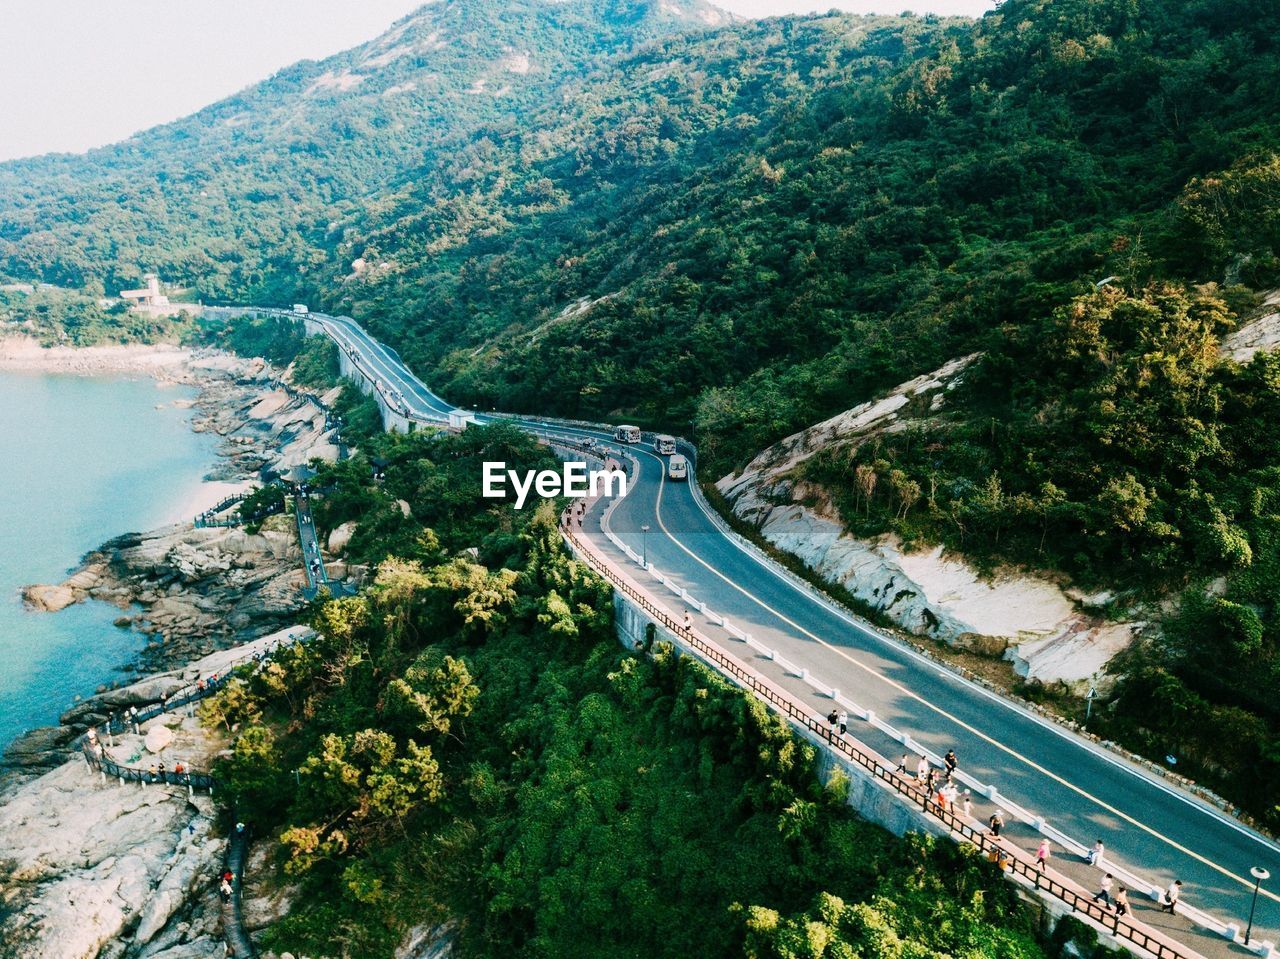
(733, 233)
(467, 742)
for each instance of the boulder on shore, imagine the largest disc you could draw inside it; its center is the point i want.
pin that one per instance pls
(158, 738)
(50, 599)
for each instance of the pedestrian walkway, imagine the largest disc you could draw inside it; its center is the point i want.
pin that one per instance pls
(97, 740)
(238, 941)
(312, 561)
(789, 690)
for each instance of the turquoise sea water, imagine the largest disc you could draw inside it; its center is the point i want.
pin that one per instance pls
(82, 459)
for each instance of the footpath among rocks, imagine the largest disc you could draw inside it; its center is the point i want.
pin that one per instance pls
(95, 868)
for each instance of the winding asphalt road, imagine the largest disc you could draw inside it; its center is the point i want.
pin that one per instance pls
(1151, 828)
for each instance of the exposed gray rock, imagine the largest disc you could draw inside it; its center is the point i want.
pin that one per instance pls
(1026, 618)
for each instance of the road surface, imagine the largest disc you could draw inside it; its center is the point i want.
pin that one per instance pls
(1151, 828)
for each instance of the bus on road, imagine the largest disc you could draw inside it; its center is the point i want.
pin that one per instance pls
(664, 444)
(627, 434)
(678, 468)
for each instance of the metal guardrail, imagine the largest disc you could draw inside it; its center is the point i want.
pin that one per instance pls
(238, 941)
(95, 753)
(1013, 860)
(684, 446)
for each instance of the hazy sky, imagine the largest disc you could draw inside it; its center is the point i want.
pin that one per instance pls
(76, 74)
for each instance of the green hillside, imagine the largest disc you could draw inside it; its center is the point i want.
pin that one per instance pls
(752, 223)
(637, 209)
(241, 200)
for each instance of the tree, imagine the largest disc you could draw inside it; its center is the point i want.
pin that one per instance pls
(433, 694)
(865, 476)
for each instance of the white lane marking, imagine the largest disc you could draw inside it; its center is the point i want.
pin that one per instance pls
(942, 712)
(1046, 724)
(393, 366)
(924, 661)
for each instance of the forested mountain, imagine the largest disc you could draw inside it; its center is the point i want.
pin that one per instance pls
(240, 200)
(642, 209)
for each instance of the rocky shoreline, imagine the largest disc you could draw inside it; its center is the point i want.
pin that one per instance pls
(190, 591)
(90, 868)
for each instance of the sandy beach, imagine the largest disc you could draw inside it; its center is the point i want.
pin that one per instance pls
(165, 361)
(205, 494)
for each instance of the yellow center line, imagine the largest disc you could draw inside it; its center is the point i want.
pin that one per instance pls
(942, 712)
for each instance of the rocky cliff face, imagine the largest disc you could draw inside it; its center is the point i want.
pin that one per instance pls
(1258, 333)
(91, 868)
(1043, 629)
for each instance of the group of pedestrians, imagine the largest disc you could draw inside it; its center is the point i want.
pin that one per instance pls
(940, 784)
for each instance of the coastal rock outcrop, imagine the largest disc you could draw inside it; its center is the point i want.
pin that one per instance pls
(1030, 620)
(93, 868)
(191, 589)
(89, 862)
(195, 589)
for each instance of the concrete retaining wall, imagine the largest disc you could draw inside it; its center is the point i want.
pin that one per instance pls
(871, 799)
(392, 420)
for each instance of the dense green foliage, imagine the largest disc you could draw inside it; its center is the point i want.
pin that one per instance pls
(244, 198)
(1093, 441)
(760, 223)
(471, 743)
(280, 341)
(58, 317)
(1109, 439)
(735, 231)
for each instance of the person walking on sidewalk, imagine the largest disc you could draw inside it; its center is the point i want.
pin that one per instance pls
(832, 718)
(1103, 895)
(1171, 896)
(1042, 855)
(844, 722)
(996, 822)
(1122, 901)
(951, 762)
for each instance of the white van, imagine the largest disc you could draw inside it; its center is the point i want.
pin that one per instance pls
(677, 468)
(627, 434)
(664, 444)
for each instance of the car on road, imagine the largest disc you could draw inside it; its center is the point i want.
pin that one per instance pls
(627, 434)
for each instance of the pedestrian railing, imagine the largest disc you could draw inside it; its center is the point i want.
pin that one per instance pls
(94, 750)
(237, 846)
(1012, 859)
(232, 914)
